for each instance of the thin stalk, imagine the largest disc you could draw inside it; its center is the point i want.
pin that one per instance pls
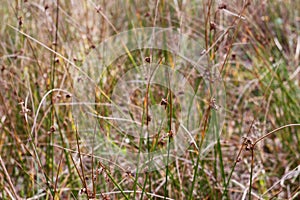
(11, 185)
(63, 143)
(93, 181)
(195, 171)
(146, 104)
(56, 180)
(170, 135)
(252, 150)
(52, 115)
(234, 35)
(113, 180)
(235, 162)
(275, 130)
(81, 164)
(144, 186)
(206, 116)
(221, 160)
(251, 173)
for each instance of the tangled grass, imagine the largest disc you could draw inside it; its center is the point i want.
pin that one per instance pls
(254, 44)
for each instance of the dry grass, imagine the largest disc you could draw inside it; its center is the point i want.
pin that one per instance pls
(256, 47)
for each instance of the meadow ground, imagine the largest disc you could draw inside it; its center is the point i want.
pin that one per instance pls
(248, 90)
